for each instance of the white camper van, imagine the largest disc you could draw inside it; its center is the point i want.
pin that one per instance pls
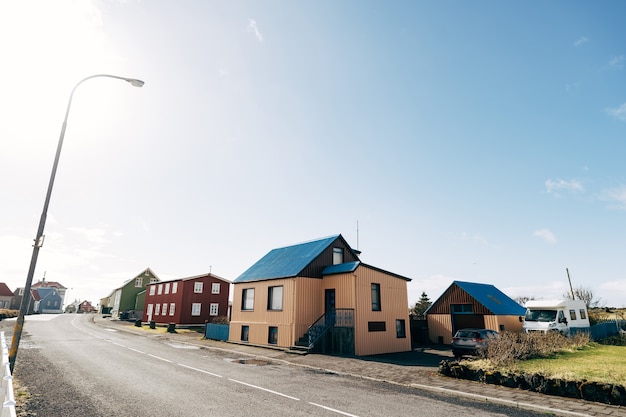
(565, 316)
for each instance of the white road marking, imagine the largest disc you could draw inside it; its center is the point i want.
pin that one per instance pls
(333, 410)
(136, 350)
(159, 358)
(118, 344)
(264, 389)
(200, 370)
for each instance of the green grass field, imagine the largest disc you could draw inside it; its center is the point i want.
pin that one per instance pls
(594, 362)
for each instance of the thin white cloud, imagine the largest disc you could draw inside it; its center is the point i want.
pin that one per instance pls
(92, 235)
(617, 62)
(619, 112)
(562, 185)
(252, 27)
(618, 196)
(546, 235)
(580, 41)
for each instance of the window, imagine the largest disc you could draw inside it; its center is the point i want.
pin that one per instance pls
(376, 326)
(167, 288)
(400, 329)
(462, 308)
(48, 303)
(160, 290)
(583, 316)
(152, 289)
(272, 336)
(337, 256)
(214, 309)
(174, 287)
(215, 288)
(157, 309)
(572, 314)
(197, 287)
(172, 309)
(56, 303)
(153, 280)
(195, 309)
(139, 282)
(275, 298)
(164, 310)
(247, 299)
(245, 332)
(376, 297)
(149, 311)
(21, 291)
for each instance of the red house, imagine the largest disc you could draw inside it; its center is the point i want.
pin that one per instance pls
(193, 300)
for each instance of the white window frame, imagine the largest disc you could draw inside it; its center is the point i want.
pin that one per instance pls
(152, 289)
(172, 309)
(164, 310)
(196, 309)
(160, 289)
(247, 299)
(197, 287)
(167, 288)
(138, 282)
(157, 309)
(214, 309)
(215, 288)
(275, 298)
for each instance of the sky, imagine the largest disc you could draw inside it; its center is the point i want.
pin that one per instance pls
(475, 141)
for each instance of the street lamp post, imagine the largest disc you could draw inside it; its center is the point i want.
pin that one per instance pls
(19, 325)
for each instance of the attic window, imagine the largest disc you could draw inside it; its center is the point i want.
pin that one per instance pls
(337, 256)
(461, 308)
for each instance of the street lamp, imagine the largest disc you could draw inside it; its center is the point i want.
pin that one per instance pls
(19, 325)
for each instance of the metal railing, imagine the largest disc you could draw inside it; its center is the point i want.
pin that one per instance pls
(339, 317)
(7, 396)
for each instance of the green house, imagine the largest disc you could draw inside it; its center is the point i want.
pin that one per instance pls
(124, 301)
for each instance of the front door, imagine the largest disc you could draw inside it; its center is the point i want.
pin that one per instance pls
(329, 306)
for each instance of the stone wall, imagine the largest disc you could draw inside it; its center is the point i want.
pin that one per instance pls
(586, 390)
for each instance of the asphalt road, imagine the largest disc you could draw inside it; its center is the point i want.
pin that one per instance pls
(72, 366)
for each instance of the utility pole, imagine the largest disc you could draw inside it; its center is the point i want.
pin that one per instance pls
(570, 284)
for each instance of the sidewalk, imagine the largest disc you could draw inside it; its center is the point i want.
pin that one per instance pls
(418, 369)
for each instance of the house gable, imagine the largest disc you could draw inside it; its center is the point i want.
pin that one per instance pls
(308, 259)
(484, 298)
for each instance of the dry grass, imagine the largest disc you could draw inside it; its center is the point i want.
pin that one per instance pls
(556, 356)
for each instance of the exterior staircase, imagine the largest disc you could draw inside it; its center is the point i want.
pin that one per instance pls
(327, 323)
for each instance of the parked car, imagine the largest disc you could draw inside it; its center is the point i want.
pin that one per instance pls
(471, 341)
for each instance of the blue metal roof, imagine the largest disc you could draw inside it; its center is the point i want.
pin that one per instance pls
(341, 268)
(286, 262)
(492, 298)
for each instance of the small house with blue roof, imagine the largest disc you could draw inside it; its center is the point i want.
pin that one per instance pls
(472, 305)
(319, 296)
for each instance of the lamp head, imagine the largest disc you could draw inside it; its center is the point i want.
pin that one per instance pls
(135, 83)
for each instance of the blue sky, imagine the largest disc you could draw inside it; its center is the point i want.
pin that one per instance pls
(474, 141)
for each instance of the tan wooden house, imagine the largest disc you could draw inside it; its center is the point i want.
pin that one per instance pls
(472, 305)
(320, 297)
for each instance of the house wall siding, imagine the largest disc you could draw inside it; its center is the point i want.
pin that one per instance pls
(260, 319)
(309, 304)
(440, 325)
(394, 306)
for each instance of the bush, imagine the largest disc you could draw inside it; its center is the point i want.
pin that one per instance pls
(509, 347)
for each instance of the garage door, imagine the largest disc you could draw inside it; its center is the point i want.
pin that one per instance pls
(463, 321)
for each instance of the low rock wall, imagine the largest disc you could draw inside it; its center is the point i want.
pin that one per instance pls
(586, 390)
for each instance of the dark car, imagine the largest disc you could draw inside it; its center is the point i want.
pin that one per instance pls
(471, 341)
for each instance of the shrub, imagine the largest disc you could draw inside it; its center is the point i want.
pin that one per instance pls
(509, 347)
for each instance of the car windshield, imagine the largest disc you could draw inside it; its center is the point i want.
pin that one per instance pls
(468, 334)
(540, 315)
